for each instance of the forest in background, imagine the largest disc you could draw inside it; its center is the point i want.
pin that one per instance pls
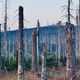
(38, 54)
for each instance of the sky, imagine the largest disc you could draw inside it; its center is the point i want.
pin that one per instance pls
(47, 11)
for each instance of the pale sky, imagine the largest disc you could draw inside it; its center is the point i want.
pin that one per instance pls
(46, 10)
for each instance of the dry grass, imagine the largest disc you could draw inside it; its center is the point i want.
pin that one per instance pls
(13, 76)
(53, 75)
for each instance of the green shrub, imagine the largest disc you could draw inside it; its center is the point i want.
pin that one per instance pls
(27, 63)
(9, 65)
(51, 60)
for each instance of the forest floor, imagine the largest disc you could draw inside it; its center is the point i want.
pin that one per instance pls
(58, 74)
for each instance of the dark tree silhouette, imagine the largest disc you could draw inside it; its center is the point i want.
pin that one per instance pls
(20, 46)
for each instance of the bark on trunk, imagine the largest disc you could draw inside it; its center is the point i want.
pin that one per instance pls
(0, 51)
(20, 46)
(34, 52)
(58, 42)
(38, 40)
(70, 49)
(44, 72)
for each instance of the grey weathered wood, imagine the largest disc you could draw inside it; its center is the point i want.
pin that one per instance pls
(0, 51)
(77, 34)
(58, 42)
(70, 48)
(9, 55)
(5, 30)
(71, 57)
(25, 48)
(79, 30)
(44, 70)
(38, 41)
(5, 41)
(34, 52)
(20, 46)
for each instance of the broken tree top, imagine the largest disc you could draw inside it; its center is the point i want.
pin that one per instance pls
(21, 18)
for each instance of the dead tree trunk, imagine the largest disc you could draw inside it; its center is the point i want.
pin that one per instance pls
(20, 46)
(5, 41)
(44, 72)
(0, 51)
(5, 31)
(9, 55)
(70, 48)
(38, 40)
(79, 30)
(34, 52)
(71, 57)
(58, 42)
(25, 48)
(77, 34)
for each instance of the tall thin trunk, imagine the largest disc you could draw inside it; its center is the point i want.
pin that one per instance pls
(46, 39)
(5, 41)
(34, 52)
(58, 42)
(20, 46)
(71, 57)
(48, 42)
(5, 31)
(9, 47)
(79, 29)
(79, 13)
(38, 41)
(13, 43)
(69, 14)
(25, 47)
(44, 72)
(70, 48)
(77, 34)
(0, 51)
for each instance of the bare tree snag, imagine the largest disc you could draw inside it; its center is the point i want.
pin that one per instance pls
(0, 51)
(5, 30)
(71, 57)
(38, 40)
(58, 42)
(44, 72)
(77, 34)
(9, 55)
(70, 47)
(34, 52)
(20, 46)
(79, 30)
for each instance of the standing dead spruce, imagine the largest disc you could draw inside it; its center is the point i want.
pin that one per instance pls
(34, 52)
(70, 47)
(20, 46)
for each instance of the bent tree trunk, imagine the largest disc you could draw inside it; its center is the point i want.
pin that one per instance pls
(20, 46)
